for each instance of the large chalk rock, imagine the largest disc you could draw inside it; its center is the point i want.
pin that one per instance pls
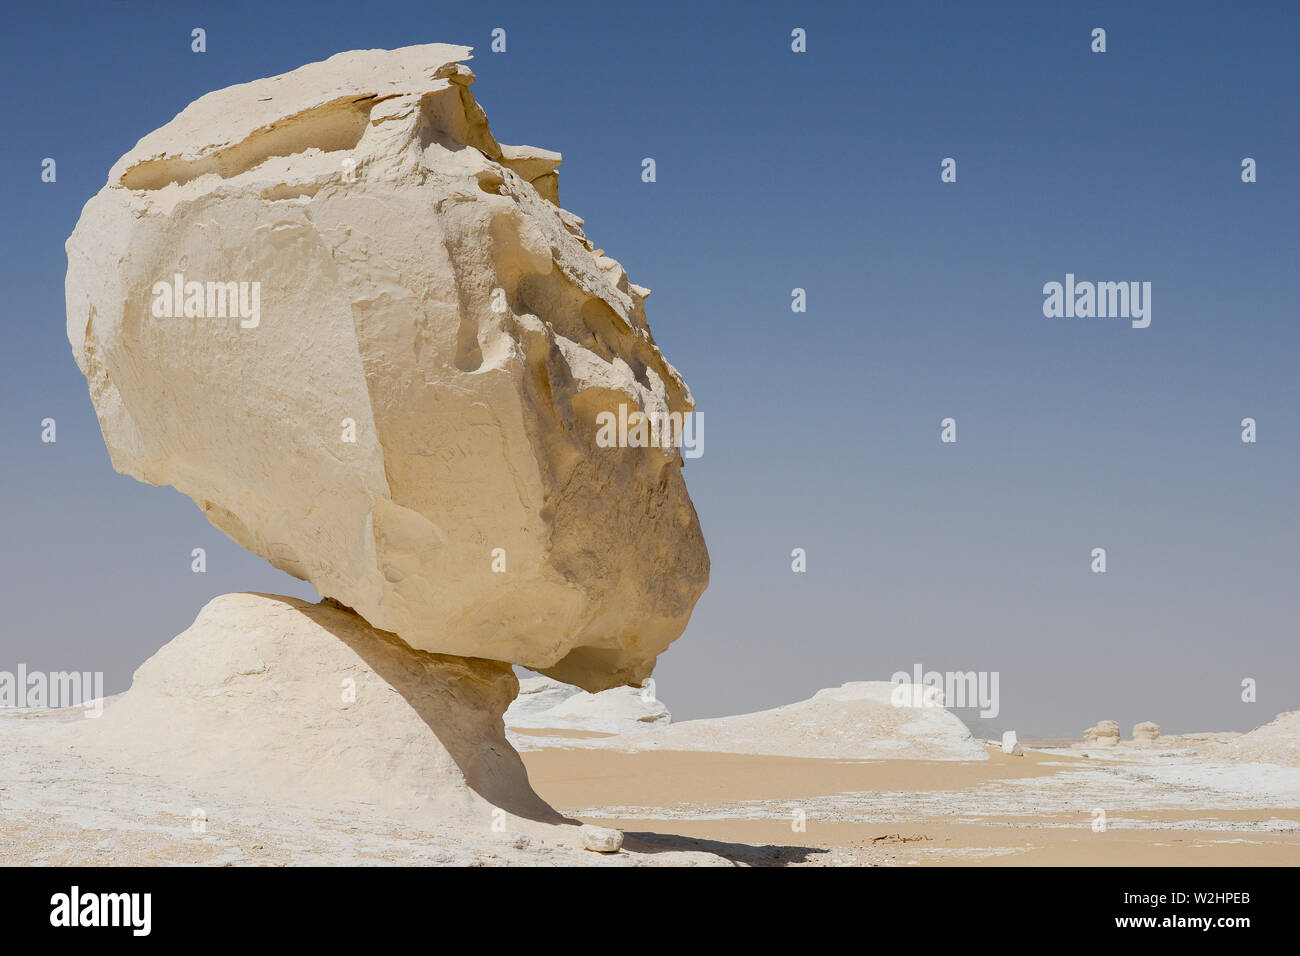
(858, 721)
(385, 364)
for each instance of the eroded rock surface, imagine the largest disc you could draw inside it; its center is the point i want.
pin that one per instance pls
(361, 334)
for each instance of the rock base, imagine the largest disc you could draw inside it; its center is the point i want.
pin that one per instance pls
(269, 700)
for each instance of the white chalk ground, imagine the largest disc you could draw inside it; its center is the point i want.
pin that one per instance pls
(376, 790)
(1127, 779)
(58, 810)
(87, 811)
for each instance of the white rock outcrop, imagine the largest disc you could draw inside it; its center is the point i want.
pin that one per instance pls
(601, 839)
(270, 715)
(280, 699)
(359, 332)
(1277, 742)
(1146, 732)
(1104, 734)
(544, 703)
(1011, 744)
(856, 721)
(537, 695)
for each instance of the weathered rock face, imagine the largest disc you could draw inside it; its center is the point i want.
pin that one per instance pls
(361, 334)
(1146, 732)
(1104, 734)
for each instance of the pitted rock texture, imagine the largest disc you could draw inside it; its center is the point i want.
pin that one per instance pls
(384, 367)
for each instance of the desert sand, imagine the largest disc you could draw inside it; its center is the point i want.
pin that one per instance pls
(1175, 808)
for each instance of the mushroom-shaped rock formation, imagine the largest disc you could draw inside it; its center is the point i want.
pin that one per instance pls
(1104, 734)
(1146, 732)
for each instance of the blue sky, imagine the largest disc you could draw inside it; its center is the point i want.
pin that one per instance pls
(820, 170)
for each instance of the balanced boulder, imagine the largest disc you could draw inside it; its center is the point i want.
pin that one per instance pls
(359, 332)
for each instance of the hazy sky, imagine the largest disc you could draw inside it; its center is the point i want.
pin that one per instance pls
(819, 170)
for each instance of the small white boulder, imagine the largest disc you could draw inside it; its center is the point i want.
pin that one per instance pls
(601, 839)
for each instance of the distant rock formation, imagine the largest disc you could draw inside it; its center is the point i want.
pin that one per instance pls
(1104, 734)
(857, 721)
(537, 695)
(544, 703)
(1146, 732)
(1011, 744)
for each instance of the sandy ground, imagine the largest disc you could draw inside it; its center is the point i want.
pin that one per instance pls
(1170, 807)
(1178, 806)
